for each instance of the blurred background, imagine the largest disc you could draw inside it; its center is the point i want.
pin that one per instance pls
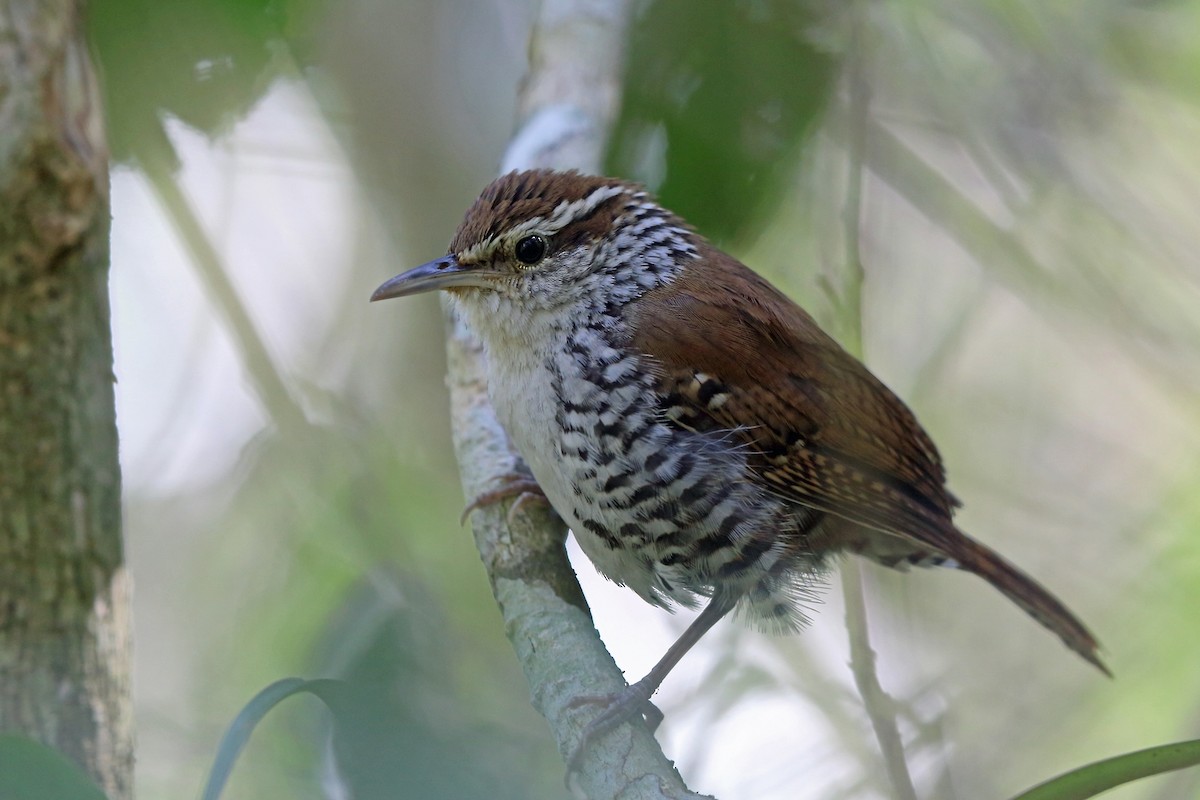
(1025, 184)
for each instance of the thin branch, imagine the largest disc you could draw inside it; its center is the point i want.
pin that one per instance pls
(879, 705)
(567, 104)
(894, 161)
(261, 372)
(858, 111)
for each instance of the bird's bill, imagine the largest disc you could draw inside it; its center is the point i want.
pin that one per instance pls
(441, 273)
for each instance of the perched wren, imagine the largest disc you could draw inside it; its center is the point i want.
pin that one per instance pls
(702, 436)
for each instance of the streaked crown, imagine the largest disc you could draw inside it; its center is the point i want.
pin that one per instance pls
(543, 240)
(566, 206)
(566, 235)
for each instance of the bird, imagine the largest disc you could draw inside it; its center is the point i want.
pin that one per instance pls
(704, 439)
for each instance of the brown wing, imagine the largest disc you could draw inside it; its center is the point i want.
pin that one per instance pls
(732, 352)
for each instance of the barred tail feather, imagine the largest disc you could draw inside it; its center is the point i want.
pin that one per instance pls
(1038, 603)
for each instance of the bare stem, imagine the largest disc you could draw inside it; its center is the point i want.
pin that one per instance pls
(879, 705)
(261, 371)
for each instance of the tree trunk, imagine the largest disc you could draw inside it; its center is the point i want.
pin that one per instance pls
(64, 595)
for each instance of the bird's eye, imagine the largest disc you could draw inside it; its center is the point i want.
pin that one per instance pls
(531, 249)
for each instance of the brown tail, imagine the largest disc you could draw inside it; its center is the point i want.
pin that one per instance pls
(1030, 596)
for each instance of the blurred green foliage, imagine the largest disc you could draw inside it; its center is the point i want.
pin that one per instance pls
(1029, 246)
(399, 719)
(31, 771)
(204, 63)
(724, 97)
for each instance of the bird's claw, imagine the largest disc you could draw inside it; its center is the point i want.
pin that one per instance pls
(522, 487)
(622, 706)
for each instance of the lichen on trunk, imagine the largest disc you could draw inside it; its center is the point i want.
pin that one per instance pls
(64, 599)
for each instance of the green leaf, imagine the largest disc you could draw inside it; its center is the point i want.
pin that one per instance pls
(1101, 776)
(718, 97)
(239, 731)
(30, 770)
(205, 64)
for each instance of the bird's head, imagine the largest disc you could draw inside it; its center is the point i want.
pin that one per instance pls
(541, 241)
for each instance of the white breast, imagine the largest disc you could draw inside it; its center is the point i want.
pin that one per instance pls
(656, 508)
(527, 393)
(522, 393)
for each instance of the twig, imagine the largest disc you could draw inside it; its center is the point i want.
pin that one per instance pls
(879, 705)
(263, 375)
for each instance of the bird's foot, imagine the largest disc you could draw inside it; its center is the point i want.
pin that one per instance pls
(632, 701)
(514, 484)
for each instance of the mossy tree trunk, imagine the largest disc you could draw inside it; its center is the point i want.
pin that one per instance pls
(64, 599)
